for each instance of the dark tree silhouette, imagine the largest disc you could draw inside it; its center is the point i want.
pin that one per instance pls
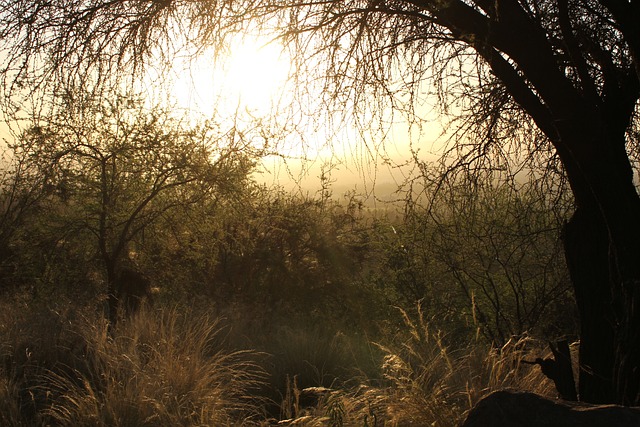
(568, 67)
(132, 290)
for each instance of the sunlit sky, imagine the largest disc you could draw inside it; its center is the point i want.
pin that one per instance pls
(250, 79)
(253, 79)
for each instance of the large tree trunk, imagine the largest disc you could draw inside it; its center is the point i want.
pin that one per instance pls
(587, 252)
(625, 261)
(602, 248)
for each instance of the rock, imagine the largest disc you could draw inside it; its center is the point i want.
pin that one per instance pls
(518, 409)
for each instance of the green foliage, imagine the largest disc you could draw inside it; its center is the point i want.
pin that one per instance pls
(285, 256)
(111, 172)
(119, 162)
(124, 181)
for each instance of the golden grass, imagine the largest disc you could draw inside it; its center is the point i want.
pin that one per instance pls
(154, 370)
(427, 384)
(173, 369)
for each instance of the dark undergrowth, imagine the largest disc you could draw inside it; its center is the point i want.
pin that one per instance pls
(174, 367)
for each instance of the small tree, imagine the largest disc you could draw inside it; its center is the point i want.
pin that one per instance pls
(497, 243)
(116, 168)
(22, 191)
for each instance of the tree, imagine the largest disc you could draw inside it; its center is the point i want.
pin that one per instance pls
(552, 75)
(495, 244)
(116, 168)
(22, 191)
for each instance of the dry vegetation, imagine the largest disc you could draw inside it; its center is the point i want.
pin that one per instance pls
(173, 368)
(160, 368)
(269, 307)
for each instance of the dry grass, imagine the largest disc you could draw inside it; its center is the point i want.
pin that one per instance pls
(174, 369)
(155, 369)
(426, 384)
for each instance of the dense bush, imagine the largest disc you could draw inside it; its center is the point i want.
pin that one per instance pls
(329, 310)
(483, 257)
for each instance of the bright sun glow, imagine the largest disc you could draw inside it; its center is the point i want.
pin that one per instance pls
(251, 78)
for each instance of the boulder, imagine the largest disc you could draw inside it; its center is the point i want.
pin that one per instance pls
(519, 409)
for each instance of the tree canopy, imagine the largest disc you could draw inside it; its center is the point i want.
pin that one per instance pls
(560, 77)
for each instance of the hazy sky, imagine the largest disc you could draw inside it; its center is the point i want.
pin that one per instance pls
(253, 81)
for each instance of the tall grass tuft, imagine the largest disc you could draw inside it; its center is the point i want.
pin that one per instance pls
(432, 384)
(427, 383)
(9, 407)
(154, 369)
